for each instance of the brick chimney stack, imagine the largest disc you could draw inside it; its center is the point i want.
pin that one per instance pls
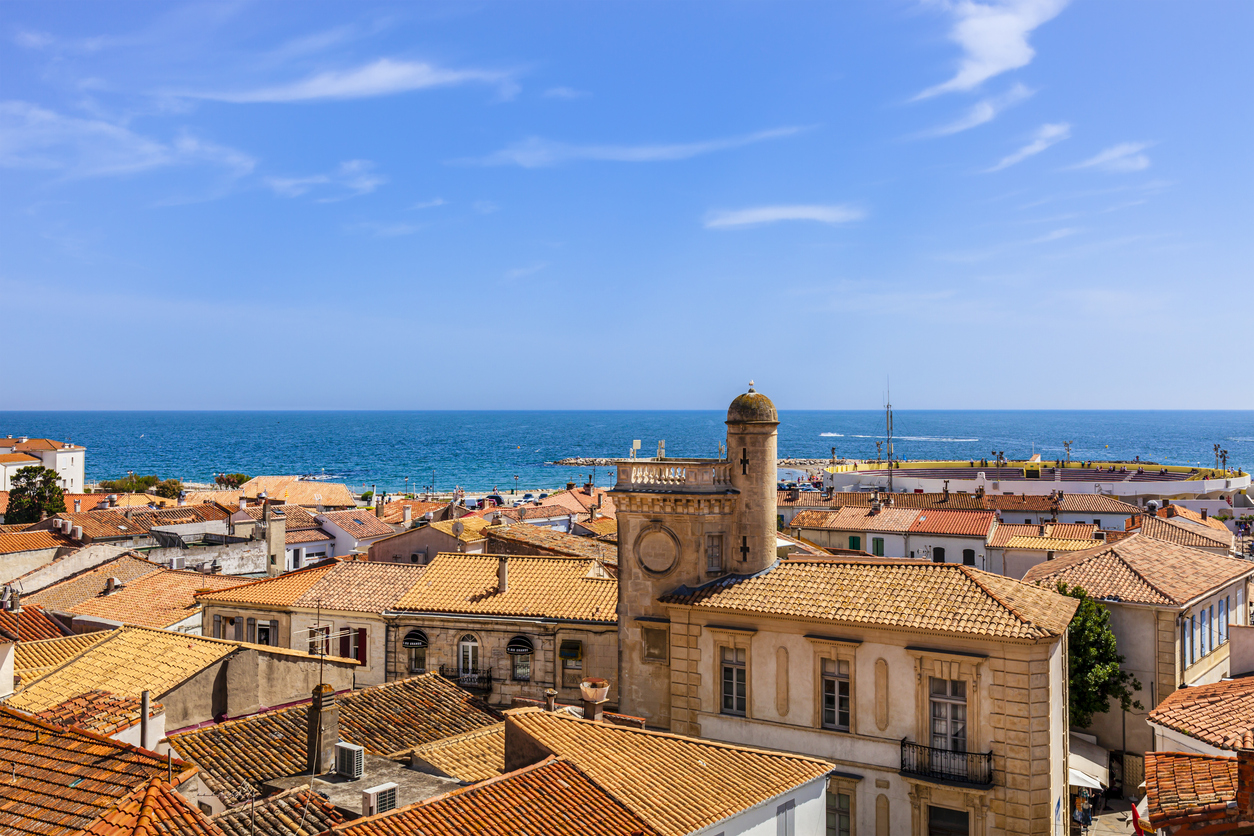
(502, 574)
(322, 730)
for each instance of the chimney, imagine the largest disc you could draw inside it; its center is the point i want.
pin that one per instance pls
(570, 486)
(588, 489)
(322, 730)
(1205, 513)
(78, 506)
(946, 491)
(243, 501)
(593, 693)
(182, 498)
(1245, 783)
(550, 699)
(407, 515)
(112, 585)
(502, 574)
(145, 708)
(1040, 530)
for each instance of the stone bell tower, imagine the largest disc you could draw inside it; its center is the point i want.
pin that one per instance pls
(687, 522)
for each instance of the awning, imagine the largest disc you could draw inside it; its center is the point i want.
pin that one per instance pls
(1089, 759)
(1076, 778)
(519, 646)
(414, 638)
(571, 650)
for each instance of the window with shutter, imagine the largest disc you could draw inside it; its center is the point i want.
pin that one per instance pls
(252, 631)
(346, 646)
(217, 626)
(361, 645)
(274, 634)
(239, 628)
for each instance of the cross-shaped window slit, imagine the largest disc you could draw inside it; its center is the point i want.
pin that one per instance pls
(744, 549)
(744, 460)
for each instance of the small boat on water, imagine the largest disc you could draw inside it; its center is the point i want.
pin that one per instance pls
(318, 477)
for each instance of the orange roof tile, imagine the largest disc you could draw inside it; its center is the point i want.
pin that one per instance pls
(954, 523)
(99, 711)
(544, 587)
(473, 756)
(553, 798)
(1095, 503)
(394, 511)
(1141, 570)
(18, 458)
(282, 591)
(152, 809)
(33, 541)
(1051, 544)
(359, 524)
(903, 593)
(305, 535)
(1183, 789)
(36, 658)
(158, 599)
(579, 501)
(1183, 532)
(66, 594)
(32, 625)
(63, 779)
(858, 518)
(280, 815)
(677, 784)
(296, 492)
(294, 516)
(1220, 714)
(547, 541)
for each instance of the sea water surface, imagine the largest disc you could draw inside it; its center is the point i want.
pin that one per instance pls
(482, 450)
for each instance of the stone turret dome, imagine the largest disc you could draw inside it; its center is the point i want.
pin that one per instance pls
(752, 407)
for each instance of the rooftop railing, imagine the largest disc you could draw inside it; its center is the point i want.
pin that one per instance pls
(702, 475)
(472, 679)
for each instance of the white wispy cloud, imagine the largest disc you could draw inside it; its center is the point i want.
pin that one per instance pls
(985, 110)
(1122, 158)
(34, 137)
(994, 39)
(565, 93)
(522, 272)
(429, 204)
(1046, 135)
(387, 230)
(351, 179)
(1054, 235)
(828, 214)
(383, 77)
(535, 152)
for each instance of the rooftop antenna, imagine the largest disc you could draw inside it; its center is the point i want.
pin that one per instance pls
(888, 417)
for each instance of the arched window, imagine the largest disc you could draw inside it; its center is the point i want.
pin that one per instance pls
(415, 642)
(468, 654)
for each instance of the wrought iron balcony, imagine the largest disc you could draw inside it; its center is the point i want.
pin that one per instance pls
(973, 769)
(472, 679)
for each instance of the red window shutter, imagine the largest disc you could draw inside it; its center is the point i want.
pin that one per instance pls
(344, 647)
(361, 645)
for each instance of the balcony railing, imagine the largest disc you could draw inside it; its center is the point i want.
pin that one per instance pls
(971, 768)
(702, 475)
(472, 679)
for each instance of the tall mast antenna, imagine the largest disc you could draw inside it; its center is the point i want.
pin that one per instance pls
(888, 417)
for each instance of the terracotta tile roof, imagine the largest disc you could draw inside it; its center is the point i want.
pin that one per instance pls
(677, 784)
(1028, 503)
(1193, 516)
(473, 756)
(903, 593)
(1052, 544)
(295, 492)
(37, 444)
(294, 516)
(1005, 532)
(548, 541)
(14, 528)
(69, 593)
(108, 524)
(159, 599)
(130, 661)
(858, 518)
(1095, 503)
(394, 511)
(240, 755)
(579, 501)
(472, 528)
(1183, 532)
(955, 523)
(601, 526)
(227, 499)
(34, 659)
(553, 798)
(281, 815)
(155, 809)
(32, 625)
(305, 535)
(1141, 570)
(1220, 714)
(1072, 531)
(531, 512)
(99, 711)
(543, 587)
(63, 780)
(282, 591)
(32, 541)
(359, 524)
(1184, 789)
(18, 458)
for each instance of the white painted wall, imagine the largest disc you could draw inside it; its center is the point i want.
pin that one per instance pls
(809, 815)
(952, 545)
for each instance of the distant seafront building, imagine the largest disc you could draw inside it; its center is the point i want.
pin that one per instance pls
(68, 460)
(938, 690)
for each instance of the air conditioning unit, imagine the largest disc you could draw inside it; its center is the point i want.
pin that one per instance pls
(380, 799)
(177, 563)
(350, 761)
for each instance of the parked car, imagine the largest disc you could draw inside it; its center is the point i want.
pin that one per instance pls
(496, 499)
(543, 496)
(527, 497)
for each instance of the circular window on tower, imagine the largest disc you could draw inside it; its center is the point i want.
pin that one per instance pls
(657, 549)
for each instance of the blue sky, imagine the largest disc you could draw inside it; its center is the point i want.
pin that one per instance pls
(240, 205)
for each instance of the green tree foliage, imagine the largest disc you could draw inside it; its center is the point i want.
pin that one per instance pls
(1095, 675)
(367, 496)
(231, 480)
(132, 483)
(33, 495)
(168, 488)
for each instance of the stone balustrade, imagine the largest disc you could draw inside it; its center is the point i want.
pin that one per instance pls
(701, 475)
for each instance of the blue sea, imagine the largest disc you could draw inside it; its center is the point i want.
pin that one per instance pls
(482, 450)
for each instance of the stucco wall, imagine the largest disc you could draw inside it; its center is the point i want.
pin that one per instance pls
(16, 564)
(234, 558)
